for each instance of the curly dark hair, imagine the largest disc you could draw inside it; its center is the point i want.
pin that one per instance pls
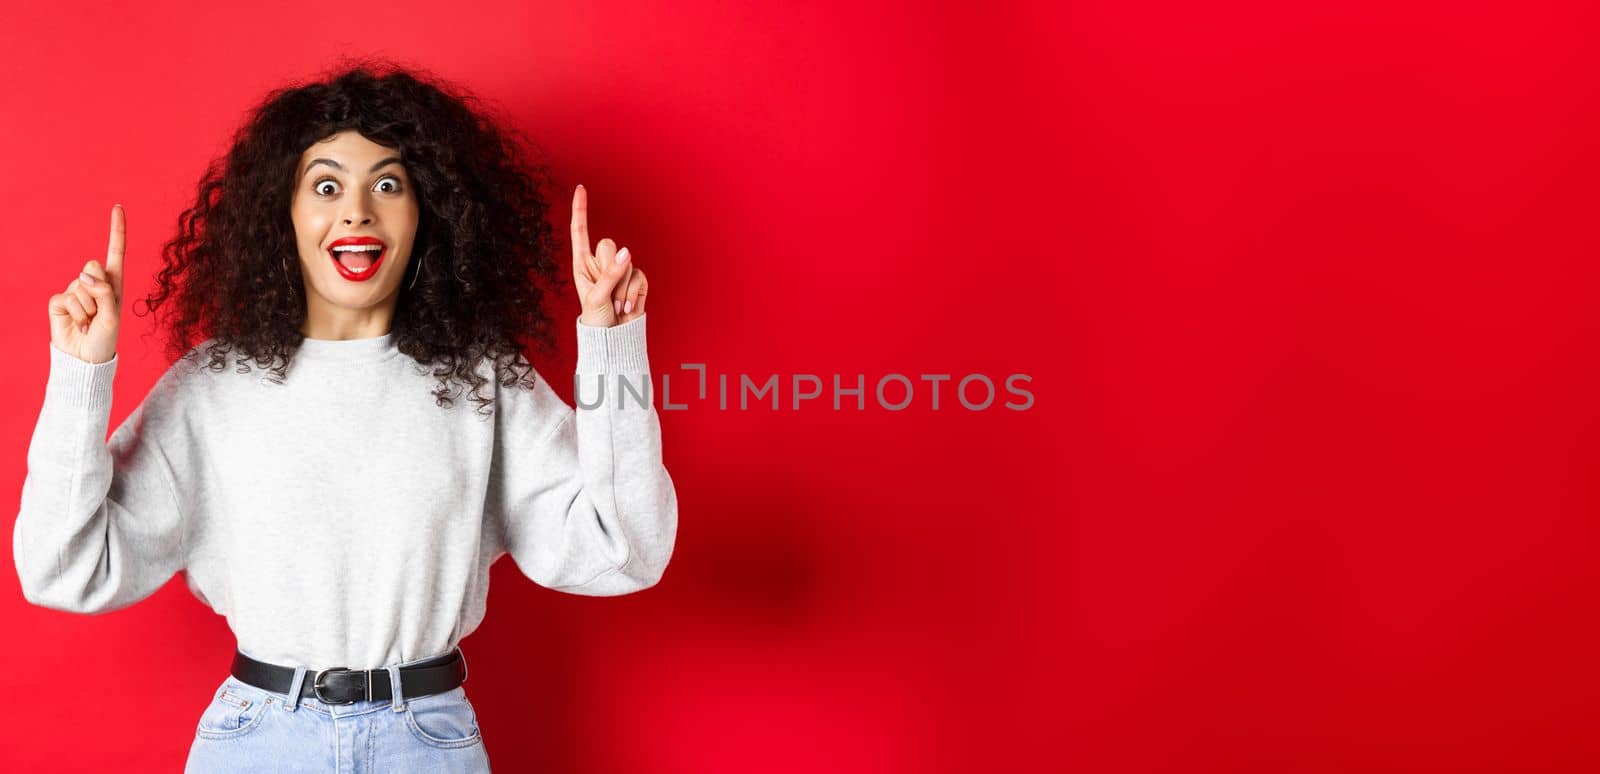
(482, 245)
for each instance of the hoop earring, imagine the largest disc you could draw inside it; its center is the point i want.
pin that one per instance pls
(414, 277)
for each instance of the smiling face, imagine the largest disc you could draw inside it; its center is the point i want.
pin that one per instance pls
(352, 192)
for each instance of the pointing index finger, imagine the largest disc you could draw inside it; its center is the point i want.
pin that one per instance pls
(580, 227)
(117, 246)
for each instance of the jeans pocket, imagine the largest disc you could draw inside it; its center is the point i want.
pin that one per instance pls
(443, 720)
(233, 712)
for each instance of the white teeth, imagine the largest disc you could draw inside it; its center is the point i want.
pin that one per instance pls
(357, 248)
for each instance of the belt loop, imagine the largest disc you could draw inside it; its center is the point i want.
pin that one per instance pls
(295, 686)
(396, 700)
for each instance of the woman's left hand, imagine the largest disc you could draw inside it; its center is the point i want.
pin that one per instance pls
(611, 289)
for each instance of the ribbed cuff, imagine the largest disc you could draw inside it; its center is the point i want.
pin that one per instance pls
(618, 349)
(77, 382)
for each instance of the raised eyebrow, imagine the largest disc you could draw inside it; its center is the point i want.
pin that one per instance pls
(340, 167)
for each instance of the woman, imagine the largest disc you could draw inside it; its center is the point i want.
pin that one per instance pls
(339, 508)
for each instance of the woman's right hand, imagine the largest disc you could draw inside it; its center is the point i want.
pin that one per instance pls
(84, 317)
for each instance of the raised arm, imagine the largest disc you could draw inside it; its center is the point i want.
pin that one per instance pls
(581, 496)
(101, 523)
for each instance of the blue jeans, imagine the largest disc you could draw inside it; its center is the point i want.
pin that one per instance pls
(249, 729)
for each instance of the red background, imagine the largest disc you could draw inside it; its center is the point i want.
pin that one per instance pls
(1304, 295)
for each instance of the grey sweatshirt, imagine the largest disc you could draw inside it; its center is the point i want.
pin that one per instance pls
(342, 518)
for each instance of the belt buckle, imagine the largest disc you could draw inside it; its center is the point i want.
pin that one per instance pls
(316, 685)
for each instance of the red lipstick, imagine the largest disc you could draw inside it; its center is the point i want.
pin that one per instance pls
(377, 257)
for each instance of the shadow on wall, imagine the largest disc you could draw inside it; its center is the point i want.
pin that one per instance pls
(749, 573)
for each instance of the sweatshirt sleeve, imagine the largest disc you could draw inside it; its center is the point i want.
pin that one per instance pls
(581, 496)
(100, 525)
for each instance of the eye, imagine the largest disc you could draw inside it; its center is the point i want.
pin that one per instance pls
(391, 181)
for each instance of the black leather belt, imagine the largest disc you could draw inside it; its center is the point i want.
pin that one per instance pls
(338, 685)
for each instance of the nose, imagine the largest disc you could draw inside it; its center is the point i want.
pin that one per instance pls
(356, 211)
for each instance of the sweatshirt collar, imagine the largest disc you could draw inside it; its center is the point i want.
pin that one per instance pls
(366, 350)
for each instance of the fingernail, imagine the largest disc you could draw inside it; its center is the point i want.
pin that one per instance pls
(87, 279)
(622, 256)
(616, 306)
(627, 308)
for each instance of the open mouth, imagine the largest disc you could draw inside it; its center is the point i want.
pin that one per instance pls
(357, 260)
